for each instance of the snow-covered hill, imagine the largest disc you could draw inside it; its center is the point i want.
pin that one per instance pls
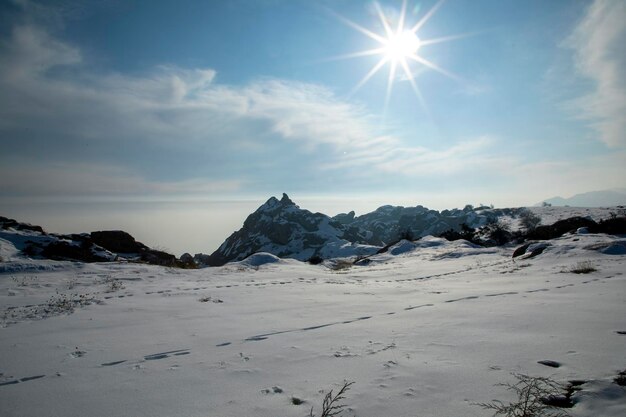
(425, 329)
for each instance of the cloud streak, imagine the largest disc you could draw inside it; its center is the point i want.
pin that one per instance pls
(57, 113)
(598, 43)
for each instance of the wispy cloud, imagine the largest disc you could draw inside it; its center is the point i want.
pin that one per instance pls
(598, 42)
(59, 116)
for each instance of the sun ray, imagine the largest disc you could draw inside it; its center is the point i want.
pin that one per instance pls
(392, 75)
(383, 20)
(370, 74)
(359, 28)
(416, 90)
(398, 45)
(401, 20)
(368, 52)
(435, 67)
(447, 38)
(427, 16)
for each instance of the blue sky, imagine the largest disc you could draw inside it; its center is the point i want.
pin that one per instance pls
(242, 99)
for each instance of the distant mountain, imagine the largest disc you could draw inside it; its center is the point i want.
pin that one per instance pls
(591, 199)
(388, 223)
(282, 228)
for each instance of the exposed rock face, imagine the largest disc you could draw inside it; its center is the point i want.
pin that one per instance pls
(390, 223)
(103, 246)
(6, 223)
(117, 241)
(282, 228)
(561, 227)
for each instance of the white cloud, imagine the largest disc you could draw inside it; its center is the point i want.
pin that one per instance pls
(598, 42)
(53, 101)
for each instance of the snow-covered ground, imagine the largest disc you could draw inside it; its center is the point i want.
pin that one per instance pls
(425, 329)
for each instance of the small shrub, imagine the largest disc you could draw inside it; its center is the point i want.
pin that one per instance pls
(213, 300)
(535, 398)
(620, 379)
(114, 285)
(529, 220)
(341, 264)
(583, 267)
(332, 407)
(315, 260)
(71, 283)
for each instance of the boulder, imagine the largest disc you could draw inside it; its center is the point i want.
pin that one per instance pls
(117, 241)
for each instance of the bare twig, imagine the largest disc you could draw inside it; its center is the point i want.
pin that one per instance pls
(332, 407)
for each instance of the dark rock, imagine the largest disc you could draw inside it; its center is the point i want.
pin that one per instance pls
(345, 218)
(157, 257)
(521, 250)
(558, 400)
(612, 226)
(6, 223)
(117, 241)
(186, 257)
(551, 364)
(60, 250)
(315, 260)
(561, 227)
(620, 379)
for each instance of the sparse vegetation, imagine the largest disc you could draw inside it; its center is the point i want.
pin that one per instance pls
(114, 285)
(529, 220)
(213, 300)
(332, 407)
(583, 267)
(64, 303)
(341, 264)
(24, 281)
(620, 379)
(536, 397)
(315, 260)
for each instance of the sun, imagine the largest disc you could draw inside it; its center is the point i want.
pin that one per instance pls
(399, 46)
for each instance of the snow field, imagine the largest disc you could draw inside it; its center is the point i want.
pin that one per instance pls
(426, 332)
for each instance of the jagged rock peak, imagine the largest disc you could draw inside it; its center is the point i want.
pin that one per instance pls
(274, 203)
(286, 200)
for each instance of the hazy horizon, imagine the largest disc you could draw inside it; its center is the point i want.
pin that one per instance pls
(194, 226)
(350, 105)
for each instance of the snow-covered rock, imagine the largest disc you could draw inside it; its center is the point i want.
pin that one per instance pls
(282, 228)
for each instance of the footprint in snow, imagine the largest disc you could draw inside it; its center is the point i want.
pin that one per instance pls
(24, 379)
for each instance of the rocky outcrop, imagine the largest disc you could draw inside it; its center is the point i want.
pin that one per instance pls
(388, 224)
(283, 229)
(561, 227)
(117, 241)
(101, 246)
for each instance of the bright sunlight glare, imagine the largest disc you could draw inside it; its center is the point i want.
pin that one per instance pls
(398, 47)
(401, 46)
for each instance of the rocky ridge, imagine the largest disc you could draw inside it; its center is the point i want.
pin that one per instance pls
(99, 246)
(284, 229)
